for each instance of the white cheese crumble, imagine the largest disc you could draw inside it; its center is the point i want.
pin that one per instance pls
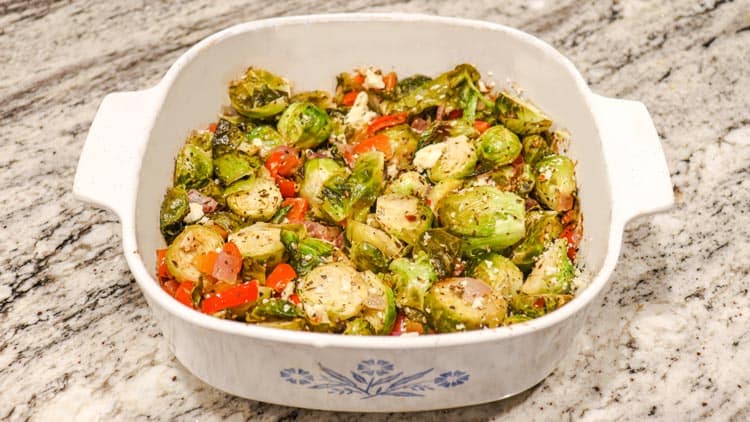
(373, 80)
(195, 214)
(478, 302)
(359, 116)
(426, 157)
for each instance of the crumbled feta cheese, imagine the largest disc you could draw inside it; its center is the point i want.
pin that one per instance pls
(478, 302)
(359, 115)
(288, 290)
(195, 214)
(426, 157)
(460, 326)
(391, 170)
(373, 80)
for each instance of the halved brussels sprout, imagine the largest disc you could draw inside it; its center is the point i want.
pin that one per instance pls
(331, 293)
(405, 217)
(431, 93)
(201, 139)
(412, 279)
(174, 207)
(458, 160)
(500, 273)
(358, 327)
(403, 144)
(193, 241)
(234, 166)
(409, 183)
(226, 220)
(520, 116)
(443, 249)
(346, 196)
(256, 199)
(513, 178)
(535, 148)
(556, 183)
(259, 94)
(541, 228)
(316, 172)
(534, 306)
(380, 305)
(552, 273)
(484, 211)
(305, 254)
(370, 248)
(274, 309)
(304, 125)
(442, 189)
(228, 137)
(321, 99)
(261, 242)
(498, 146)
(193, 167)
(463, 303)
(261, 139)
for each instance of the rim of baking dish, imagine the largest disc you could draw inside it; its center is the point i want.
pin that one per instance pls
(152, 289)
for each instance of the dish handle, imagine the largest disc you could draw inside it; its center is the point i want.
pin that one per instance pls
(636, 164)
(110, 160)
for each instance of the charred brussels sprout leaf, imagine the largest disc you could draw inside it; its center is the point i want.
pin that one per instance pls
(435, 92)
(519, 116)
(259, 94)
(556, 183)
(541, 228)
(234, 166)
(305, 254)
(498, 146)
(442, 248)
(174, 208)
(304, 125)
(553, 273)
(227, 138)
(462, 303)
(345, 196)
(193, 167)
(412, 278)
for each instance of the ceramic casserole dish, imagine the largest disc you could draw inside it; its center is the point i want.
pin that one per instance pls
(126, 166)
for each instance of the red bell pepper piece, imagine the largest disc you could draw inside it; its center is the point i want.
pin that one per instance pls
(283, 161)
(299, 208)
(383, 122)
(184, 293)
(280, 277)
(236, 296)
(481, 126)
(375, 143)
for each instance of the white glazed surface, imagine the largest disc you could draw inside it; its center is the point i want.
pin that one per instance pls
(360, 374)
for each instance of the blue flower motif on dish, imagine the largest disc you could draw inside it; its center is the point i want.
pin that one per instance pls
(374, 378)
(296, 376)
(451, 379)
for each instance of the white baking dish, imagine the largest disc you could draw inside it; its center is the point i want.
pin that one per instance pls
(126, 166)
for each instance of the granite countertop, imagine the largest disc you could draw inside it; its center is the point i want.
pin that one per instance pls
(670, 341)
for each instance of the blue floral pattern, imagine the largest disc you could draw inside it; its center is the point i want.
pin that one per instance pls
(373, 378)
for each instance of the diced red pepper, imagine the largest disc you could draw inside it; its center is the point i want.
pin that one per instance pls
(358, 78)
(287, 187)
(184, 293)
(375, 143)
(236, 296)
(383, 122)
(481, 126)
(294, 298)
(280, 277)
(349, 98)
(390, 81)
(299, 208)
(170, 286)
(212, 127)
(283, 161)
(569, 234)
(162, 272)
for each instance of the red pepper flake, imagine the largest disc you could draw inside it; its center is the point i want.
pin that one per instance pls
(539, 303)
(411, 217)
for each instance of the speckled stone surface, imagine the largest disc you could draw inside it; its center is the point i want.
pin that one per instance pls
(671, 340)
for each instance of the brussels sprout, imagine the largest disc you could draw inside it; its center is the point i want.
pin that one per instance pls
(304, 125)
(412, 279)
(461, 127)
(193, 167)
(256, 199)
(535, 148)
(380, 306)
(305, 254)
(234, 166)
(321, 99)
(228, 137)
(498, 146)
(432, 93)
(556, 183)
(201, 139)
(316, 172)
(409, 183)
(174, 207)
(403, 143)
(558, 140)
(440, 191)
(499, 273)
(443, 249)
(213, 190)
(261, 242)
(261, 139)
(331, 293)
(226, 220)
(541, 228)
(552, 273)
(273, 308)
(259, 94)
(458, 160)
(370, 248)
(407, 85)
(345, 196)
(358, 327)
(519, 116)
(405, 217)
(483, 211)
(518, 179)
(253, 270)
(462, 303)
(527, 307)
(193, 241)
